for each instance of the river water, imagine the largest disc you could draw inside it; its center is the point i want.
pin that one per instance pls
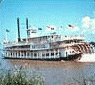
(54, 72)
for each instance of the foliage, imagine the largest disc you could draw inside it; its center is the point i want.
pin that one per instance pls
(20, 78)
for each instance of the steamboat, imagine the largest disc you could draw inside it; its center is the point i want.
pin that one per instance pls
(50, 47)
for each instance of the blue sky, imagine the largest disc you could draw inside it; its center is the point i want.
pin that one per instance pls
(41, 13)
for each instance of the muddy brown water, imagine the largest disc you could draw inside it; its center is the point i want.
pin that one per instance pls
(54, 72)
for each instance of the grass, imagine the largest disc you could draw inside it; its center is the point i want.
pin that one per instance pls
(85, 81)
(20, 78)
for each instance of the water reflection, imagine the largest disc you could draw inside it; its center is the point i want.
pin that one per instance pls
(55, 72)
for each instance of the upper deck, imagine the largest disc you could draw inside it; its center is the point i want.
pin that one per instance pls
(45, 40)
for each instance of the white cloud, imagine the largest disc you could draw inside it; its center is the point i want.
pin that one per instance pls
(86, 19)
(88, 23)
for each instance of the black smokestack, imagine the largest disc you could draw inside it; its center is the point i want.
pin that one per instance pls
(18, 29)
(27, 25)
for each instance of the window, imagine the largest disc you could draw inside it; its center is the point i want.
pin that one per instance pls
(24, 53)
(47, 54)
(33, 46)
(47, 50)
(43, 55)
(35, 54)
(31, 54)
(46, 37)
(16, 54)
(11, 54)
(28, 54)
(56, 53)
(26, 46)
(52, 36)
(19, 54)
(52, 54)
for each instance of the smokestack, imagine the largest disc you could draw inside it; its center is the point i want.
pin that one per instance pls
(27, 25)
(18, 30)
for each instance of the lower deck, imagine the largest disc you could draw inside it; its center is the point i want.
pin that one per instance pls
(70, 52)
(42, 54)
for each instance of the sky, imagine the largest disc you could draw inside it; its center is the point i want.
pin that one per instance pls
(42, 13)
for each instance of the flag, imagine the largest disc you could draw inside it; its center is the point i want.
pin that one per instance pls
(73, 27)
(7, 30)
(39, 28)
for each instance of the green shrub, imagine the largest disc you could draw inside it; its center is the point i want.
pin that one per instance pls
(20, 78)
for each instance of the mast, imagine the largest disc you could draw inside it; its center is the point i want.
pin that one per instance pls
(27, 25)
(18, 30)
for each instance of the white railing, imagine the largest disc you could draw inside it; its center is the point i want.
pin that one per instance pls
(72, 37)
(50, 40)
(18, 49)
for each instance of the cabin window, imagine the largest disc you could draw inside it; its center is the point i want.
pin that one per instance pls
(19, 54)
(27, 54)
(52, 54)
(56, 53)
(16, 54)
(52, 36)
(47, 54)
(47, 50)
(46, 37)
(31, 54)
(11, 54)
(26, 46)
(24, 53)
(43, 55)
(33, 46)
(35, 54)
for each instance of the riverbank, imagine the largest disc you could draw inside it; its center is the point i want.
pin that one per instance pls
(54, 72)
(56, 64)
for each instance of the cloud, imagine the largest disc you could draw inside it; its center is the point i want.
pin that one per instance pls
(88, 23)
(86, 19)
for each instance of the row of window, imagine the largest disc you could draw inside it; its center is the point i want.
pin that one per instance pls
(35, 54)
(38, 46)
(25, 46)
